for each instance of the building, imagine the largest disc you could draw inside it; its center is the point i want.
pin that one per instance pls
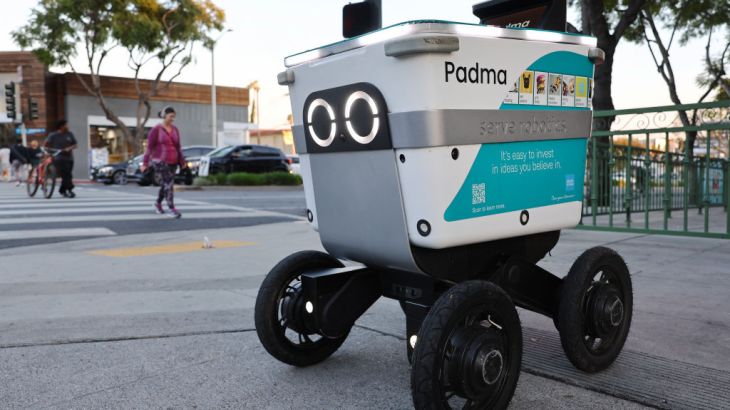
(281, 138)
(62, 95)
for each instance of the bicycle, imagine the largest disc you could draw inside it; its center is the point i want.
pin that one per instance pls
(43, 175)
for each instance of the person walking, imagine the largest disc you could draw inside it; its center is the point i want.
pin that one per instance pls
(18, 159)
(4, 163)
(164, 154)
(63, 141)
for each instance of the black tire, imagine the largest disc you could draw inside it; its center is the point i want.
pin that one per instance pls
(272, 329)
(33, 183)
(477, 309)
(593, 326)
(119, 178)
(49, 181)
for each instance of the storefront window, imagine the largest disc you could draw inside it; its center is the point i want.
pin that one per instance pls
(109, 145)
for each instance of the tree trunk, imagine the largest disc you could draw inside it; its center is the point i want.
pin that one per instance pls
(143, 115)
(111, 116)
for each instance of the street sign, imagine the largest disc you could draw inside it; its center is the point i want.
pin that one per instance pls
(30, 131)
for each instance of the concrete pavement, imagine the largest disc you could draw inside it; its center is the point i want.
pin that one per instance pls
(175, 330)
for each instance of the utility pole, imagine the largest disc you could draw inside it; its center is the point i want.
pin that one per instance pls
(213, 97)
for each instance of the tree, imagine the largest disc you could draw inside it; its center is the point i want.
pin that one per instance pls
(151, 31)
(684, 20)
(608, 21)
(166, 35)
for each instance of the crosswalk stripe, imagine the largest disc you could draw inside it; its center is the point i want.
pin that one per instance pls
(55, 233)
(75, 204)
(95, 210)
(98, 207)
(134, 217)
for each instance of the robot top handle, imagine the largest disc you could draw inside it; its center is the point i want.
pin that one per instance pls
(540, 14)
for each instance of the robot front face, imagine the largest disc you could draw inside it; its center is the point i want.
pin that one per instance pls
(463, 143)
(355, 115)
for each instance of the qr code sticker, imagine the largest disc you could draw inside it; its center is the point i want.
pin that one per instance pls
(478, 193)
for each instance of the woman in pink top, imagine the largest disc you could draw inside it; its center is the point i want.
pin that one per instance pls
(164, 155)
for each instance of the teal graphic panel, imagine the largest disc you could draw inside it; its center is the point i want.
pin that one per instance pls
(560, 81)
(514, 176)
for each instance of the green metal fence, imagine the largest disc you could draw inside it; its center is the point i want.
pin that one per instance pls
(653, 173)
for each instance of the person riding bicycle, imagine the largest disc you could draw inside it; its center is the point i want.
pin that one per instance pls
(63, 140)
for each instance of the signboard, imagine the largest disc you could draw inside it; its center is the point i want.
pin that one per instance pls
(30, 131)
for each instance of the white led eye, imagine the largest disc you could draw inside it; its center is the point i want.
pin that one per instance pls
(333, 128)
(361, 95)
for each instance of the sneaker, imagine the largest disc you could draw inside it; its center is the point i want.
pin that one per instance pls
(175, 213)
(158, 208)
(70, 194)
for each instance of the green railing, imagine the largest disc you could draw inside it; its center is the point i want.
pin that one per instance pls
(643, 175)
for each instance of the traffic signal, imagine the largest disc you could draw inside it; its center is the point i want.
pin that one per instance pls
(10, 100)
(33, 109)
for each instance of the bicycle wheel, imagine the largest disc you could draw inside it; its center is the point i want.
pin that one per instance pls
(32, 182)
(49, 181)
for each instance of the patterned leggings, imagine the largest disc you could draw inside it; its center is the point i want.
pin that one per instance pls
(167, 180)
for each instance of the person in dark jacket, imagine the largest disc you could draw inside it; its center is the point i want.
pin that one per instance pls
(18, 159)
(64, 141)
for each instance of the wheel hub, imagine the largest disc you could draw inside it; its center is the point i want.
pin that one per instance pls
(606, 309)
(293, 310)
(477, 364)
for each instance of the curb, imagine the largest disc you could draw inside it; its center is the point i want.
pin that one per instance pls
(288, 188)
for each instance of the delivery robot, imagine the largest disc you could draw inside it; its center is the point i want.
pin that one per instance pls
(441, 160)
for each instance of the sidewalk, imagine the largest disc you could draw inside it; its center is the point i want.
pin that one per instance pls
(80, 329)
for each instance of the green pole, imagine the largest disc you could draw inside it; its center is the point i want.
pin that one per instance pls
(707, 185)
(628, 197)
(647, 173)
(610, 180)
(727, 189)
(594, 179)
(667, 181)
(685, 171)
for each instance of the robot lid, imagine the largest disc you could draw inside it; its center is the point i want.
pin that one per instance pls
(415, 27)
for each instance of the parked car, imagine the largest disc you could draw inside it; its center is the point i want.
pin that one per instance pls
(244, 158)
(296, 167)
(110, 173)
(133, 172)
(193, 154)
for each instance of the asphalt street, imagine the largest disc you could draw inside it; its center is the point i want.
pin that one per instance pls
(100, 210)
(153, 320)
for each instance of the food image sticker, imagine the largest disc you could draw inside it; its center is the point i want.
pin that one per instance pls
(541, 82)
(590, 92)
(568, 91)
(526, 83)
(512, 96)
(581, 92)
(555, 89)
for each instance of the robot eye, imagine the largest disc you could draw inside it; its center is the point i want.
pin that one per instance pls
(320, 119)
(362, 117)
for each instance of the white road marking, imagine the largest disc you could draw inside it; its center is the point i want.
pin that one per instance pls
(134, 217)
(97, 210)
(55, 233)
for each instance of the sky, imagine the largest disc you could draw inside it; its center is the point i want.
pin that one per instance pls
(264, 32)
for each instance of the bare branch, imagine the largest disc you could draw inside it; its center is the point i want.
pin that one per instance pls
(630, 14)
